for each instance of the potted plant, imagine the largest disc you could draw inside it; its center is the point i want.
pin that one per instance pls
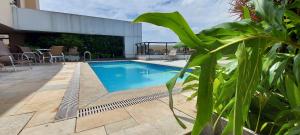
(258, 86)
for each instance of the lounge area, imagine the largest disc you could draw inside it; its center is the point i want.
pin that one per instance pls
(167, 67)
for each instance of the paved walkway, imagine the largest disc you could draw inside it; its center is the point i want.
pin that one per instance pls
(31, 109)
(16, 86)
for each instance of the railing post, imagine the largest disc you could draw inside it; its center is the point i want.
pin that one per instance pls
(89, 53)
(166, 48)
(148, 49)
(137, 49)
(145, 49)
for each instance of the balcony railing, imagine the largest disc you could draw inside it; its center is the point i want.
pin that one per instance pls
(159, 48)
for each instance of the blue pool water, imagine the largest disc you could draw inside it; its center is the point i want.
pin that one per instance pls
(125, 75)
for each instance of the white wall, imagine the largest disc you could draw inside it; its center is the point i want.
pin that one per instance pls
(5, 12)
(45, 21)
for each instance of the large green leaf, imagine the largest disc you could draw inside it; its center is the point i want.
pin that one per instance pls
(228, 89)
(273, 16)
(249, 70)
(246, 13)
(204, 97)
(230, 30)
(176, 23)
(170, 85)
(292, 16)
(296, 68)
(295, 4)
(293, 92)
(195, 59)
(243, 81)
(269, 12)
(294, 131)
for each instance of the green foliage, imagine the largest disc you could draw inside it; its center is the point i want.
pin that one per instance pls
(246, 12)
(205, 95)
(69, 41)
(259, 87)
(99, 46)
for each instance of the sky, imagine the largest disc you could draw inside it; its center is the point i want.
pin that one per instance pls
(200, 14)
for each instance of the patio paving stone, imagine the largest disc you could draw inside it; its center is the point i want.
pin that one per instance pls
(94, 131)
(169, 126)
(120, 125)
(53, 87)
(12, 125)
(47, 96)
(12, 109)
(149, 111)
(142, 129)
(177, 99)
(42, 117)
(39, 106)
(180, 103)
(100, 119)
(158, 114)
(188, 108)
(65, 127)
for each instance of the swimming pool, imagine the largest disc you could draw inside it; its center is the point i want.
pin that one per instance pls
(125, 75)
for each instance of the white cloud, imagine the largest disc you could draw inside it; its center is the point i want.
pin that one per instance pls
(200, 14)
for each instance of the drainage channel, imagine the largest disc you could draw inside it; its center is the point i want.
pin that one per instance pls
(69, 105)
(119, 104)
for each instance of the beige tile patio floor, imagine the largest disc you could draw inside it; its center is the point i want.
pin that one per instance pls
(30, 100)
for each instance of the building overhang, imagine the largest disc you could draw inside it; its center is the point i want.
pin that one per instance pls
(5, 29)
(46, 21)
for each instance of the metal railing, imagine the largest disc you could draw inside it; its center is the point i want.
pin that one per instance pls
(147, 48)
(87, 53)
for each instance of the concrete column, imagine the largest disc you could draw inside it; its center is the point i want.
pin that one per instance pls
(130, 48)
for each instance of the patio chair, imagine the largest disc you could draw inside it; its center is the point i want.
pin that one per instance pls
(1, 65)
(31, 55)
(72, 54)
(172, 54)
(73, 51)
(56, 52)
(8, 58)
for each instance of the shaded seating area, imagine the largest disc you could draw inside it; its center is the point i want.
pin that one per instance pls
(12, 59)
(56, 53)
(72, 54)
(53, 54)
(26, 56)
(172, 54)
(32, 55)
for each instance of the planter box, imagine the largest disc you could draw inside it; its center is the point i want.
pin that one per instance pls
(72, 58)
(219, 128)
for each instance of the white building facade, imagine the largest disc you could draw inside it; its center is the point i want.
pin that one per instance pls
(14, 19)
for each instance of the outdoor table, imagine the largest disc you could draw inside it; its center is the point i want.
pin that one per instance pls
(41, 52)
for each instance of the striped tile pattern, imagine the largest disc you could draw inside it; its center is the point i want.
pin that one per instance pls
(119, 104)
(69, 105)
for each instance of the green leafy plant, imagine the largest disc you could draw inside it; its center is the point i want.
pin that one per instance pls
(259, 87)
(99, 46)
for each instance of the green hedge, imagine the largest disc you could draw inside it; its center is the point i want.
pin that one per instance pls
(99, 46)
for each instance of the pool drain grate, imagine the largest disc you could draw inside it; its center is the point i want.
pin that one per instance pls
(119, 104)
